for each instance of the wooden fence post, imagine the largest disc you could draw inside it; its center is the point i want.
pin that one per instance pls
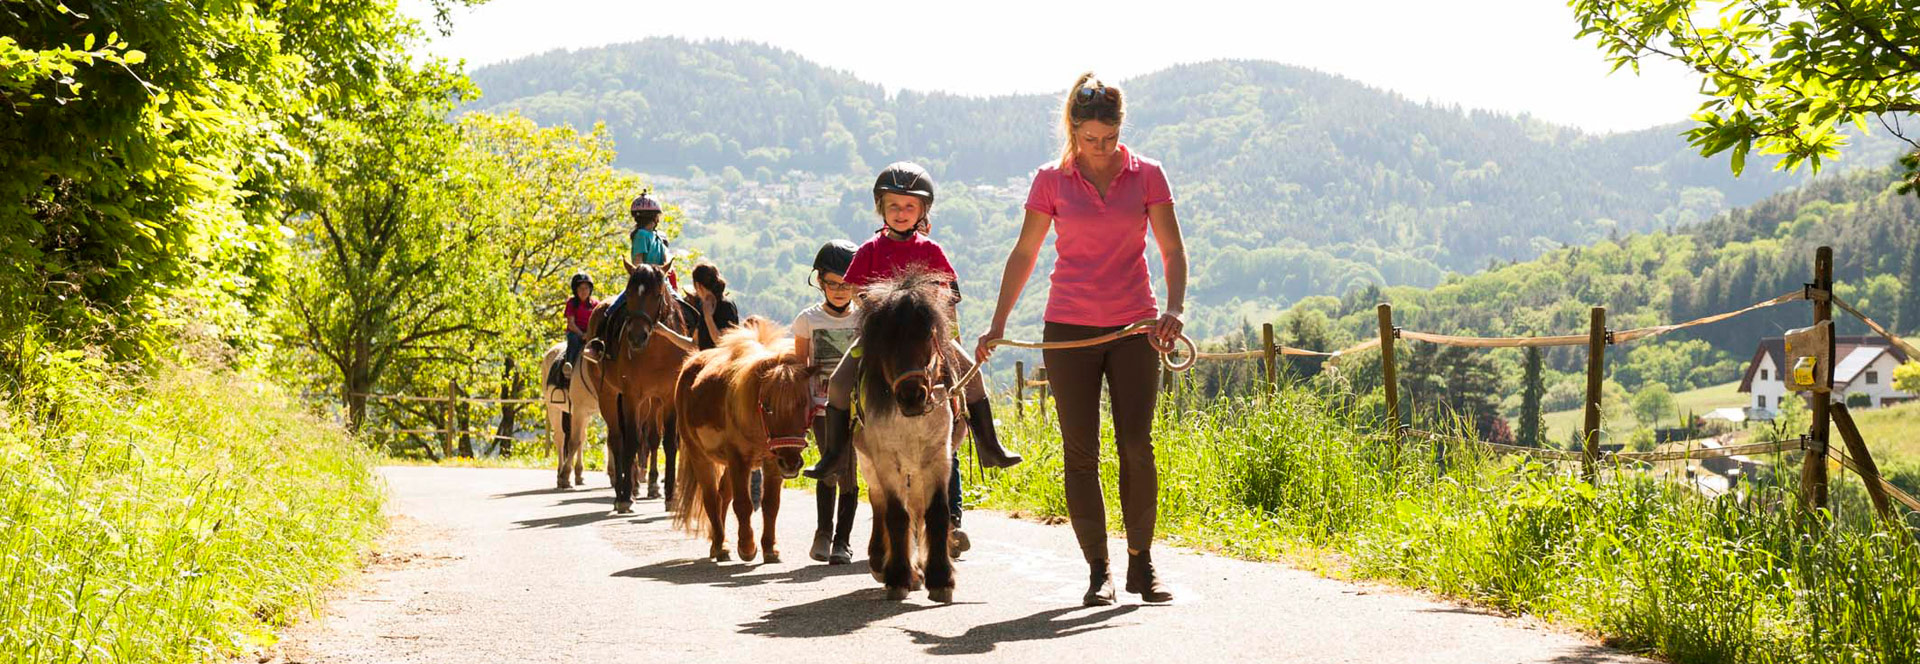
(1387, 371)
(1019, 389)
(1267, 364)
(1813, 467)
(1046, 387)
(1596, 370)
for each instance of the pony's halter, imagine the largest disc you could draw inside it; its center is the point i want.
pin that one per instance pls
(776, 443)
(925, 373)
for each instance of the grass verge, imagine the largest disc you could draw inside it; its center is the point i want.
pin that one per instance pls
(1640, 560)
(177, 521)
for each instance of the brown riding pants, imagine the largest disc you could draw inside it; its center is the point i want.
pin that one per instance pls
(1129, 367)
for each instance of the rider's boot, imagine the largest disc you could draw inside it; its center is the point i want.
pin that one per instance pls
(843, 529)
(823, 499)
(835, 443)
(986, 438)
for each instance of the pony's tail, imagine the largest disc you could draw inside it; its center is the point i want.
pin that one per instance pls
(689, 509)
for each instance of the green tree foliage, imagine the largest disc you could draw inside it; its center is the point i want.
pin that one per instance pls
(148, 147)
(1653, 402)
(1906, 377)
(388, 224)
(1784, 76)
(1531, 428)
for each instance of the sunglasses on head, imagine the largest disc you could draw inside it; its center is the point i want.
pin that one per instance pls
(1090, 94)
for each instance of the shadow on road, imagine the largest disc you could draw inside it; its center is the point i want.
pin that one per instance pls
(701, 571)
(833, 616)
(1049, 624)
(1588, 655)
(585, 518)
(530, 492)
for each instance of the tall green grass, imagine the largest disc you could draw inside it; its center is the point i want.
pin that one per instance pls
(179, 521)
(1641, 560)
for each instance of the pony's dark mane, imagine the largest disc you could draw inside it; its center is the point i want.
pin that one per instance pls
(899, 317)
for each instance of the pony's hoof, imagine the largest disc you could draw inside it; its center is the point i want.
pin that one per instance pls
(622, 507)
(896, 593)
(748, 553)
(918, 583)
(722, 556)
(941, 595)
(562, 485)
(653, 491)
(772, 557)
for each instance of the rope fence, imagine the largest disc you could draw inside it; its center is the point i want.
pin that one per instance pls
(1598, 337)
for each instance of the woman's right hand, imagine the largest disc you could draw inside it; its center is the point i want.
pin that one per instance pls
(984, 348)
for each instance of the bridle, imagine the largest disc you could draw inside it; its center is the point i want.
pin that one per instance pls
(776, 443)
(934, 367)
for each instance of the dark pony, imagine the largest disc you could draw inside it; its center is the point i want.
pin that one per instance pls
(907, 431)
(905, 329)
(633, 380)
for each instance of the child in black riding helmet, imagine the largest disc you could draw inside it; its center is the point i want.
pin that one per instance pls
(822, 334)
(903, 196)
(577, 311)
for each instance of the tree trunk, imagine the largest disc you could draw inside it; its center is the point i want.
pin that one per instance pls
(509, 386)
(463, 410)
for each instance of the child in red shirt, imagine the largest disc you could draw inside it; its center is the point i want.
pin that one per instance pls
(902, 195)
(579, 310)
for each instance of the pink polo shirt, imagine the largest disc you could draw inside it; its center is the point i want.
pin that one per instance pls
(1100, 278)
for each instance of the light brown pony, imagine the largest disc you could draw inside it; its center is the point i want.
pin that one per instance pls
(634, 378)
(744, 404)
(569, 411)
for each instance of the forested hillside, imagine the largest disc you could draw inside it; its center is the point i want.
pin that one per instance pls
(1291, 182)
(1737, 259)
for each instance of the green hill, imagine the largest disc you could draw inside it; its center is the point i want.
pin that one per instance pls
(1291, 182)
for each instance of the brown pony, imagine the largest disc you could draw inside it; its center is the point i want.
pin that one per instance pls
(744, 404)
(634, 378)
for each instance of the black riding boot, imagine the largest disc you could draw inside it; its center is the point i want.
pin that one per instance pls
(835, 433)
(986, 439)
(843, 529)
(823, 499)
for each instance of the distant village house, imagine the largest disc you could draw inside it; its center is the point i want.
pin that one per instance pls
(1865, 367)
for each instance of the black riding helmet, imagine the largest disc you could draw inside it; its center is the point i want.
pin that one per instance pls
(904, 177)
(834, 256)
(573, 286)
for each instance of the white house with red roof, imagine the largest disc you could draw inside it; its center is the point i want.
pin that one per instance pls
(1865, 367)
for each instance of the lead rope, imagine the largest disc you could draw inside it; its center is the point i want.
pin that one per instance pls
(1141, 327)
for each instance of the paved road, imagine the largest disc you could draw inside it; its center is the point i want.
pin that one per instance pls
(491, 566)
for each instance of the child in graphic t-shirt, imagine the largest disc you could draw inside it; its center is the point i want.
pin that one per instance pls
(823, 333)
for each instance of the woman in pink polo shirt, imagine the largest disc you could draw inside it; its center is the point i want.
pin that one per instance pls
(1100, 199)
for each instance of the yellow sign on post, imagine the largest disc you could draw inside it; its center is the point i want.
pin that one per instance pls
(1808, 364)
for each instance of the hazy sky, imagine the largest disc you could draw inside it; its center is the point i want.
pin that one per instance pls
(1508, 55)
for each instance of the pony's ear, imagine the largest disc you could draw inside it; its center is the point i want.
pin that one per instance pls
(631, 267)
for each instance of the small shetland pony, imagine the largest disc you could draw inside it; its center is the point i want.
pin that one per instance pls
(742, 405)
(568, 413)
(906, 408)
